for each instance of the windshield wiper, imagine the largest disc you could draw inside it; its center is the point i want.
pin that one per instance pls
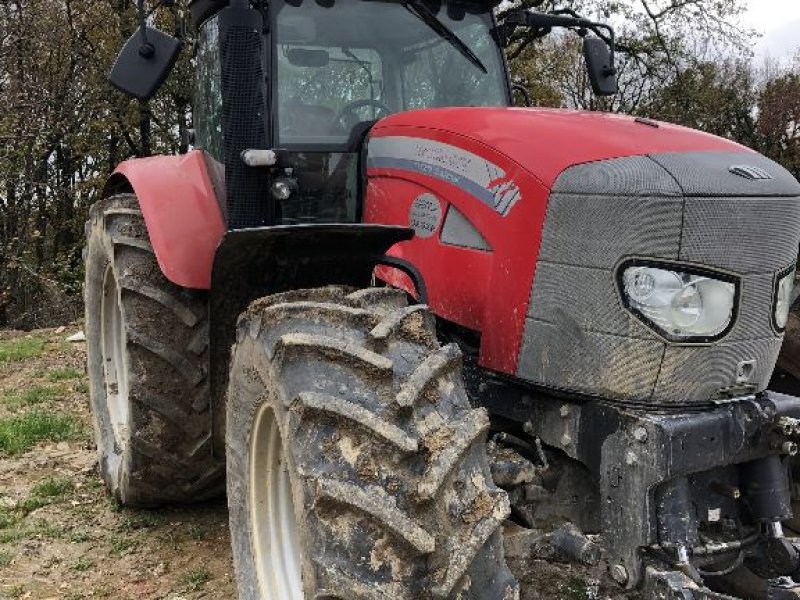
(423, 13)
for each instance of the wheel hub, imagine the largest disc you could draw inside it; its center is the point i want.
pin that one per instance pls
(275, 538)
(113, 350)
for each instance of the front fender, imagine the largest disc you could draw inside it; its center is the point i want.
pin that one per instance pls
(181, 212)
(252, 263)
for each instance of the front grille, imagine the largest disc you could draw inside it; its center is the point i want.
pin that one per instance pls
(677, 207)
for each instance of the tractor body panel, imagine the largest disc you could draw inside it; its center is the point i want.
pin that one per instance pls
(523, 218)
(179, 203)
(579, 335)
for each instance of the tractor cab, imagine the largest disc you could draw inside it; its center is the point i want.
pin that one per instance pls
(307, 79)
(332, 69)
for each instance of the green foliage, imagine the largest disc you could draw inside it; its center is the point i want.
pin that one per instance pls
(63, 129)
(5, 558)
(83, 564)
(21, 348)
(20, 433)
(141, 520)
(64, 374)
(121, 545)
(195, 579)
(53, 488)
(30, 397)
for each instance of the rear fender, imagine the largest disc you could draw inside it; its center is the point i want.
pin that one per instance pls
(181, 212)
(252, 263)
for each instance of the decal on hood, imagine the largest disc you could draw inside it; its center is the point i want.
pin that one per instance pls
(477, 176)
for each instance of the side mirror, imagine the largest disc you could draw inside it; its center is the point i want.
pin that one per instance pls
(144, 63)
(600, 64)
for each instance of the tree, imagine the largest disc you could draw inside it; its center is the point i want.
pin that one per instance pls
(62, 131)
(656, 39)
(779, 120)
(715, 97)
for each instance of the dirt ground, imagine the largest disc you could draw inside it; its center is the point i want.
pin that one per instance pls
(63, 538)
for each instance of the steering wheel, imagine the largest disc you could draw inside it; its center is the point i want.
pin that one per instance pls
(350, 109)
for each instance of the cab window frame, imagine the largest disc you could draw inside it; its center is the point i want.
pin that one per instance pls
(273, 117)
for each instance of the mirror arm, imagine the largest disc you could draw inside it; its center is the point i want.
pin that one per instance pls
(565, 17)
(518, 87)
(146, 50)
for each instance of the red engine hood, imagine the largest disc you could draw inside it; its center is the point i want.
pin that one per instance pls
(545, 142)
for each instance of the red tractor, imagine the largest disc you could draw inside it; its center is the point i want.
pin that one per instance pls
(371, 262)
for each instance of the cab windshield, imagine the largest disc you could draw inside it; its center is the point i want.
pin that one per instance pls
(355, 61)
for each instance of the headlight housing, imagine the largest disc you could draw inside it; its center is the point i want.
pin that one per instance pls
(784, 291)
(680, 302)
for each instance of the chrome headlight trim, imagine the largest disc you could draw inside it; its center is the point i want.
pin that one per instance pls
(786, 274)
(682, 268)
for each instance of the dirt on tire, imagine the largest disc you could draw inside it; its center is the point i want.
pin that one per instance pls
(149, 383)
(385, 456)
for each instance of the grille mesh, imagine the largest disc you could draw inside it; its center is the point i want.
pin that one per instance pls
(631, 176)
(579, 337)
(585, 297)
(596, 231)
(699, 372)
(243, 118)
(709, 174)
(747, 235)
(587, 362)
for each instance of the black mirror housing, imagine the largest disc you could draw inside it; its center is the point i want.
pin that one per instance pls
(142, 67)
(600, 64)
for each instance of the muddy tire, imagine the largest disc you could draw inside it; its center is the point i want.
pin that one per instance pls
(356, 467)
(147, 343)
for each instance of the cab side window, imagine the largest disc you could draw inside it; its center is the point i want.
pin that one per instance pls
(208, 91)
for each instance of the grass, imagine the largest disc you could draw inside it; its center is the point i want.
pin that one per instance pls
(8, 518)
(31, 397)
(120, 545)
(65, 374)
(20, 433)
(195, 579)
(44, 493)
(80, 536)
(5, 558)
(198, 532)
(53, 488)
(83, 564)
(22, 348)
(141, 520)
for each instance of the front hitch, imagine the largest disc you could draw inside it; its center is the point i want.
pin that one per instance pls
(699, 495)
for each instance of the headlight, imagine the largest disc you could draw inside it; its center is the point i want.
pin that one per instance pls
(680, 305)
(783, 299)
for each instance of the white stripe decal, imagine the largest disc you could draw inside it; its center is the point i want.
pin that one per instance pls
(476, 175)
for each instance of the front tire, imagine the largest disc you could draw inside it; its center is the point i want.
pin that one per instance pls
(147, 343)
(356, 466)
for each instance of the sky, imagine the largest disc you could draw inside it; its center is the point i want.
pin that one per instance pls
(779, 22)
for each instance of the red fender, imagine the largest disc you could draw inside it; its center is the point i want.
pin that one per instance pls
(181, 212)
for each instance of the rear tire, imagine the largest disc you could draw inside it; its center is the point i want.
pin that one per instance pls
(382, 461)
(147, 342)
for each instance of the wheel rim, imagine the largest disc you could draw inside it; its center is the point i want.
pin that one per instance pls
(275, 538)
(114, 342)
